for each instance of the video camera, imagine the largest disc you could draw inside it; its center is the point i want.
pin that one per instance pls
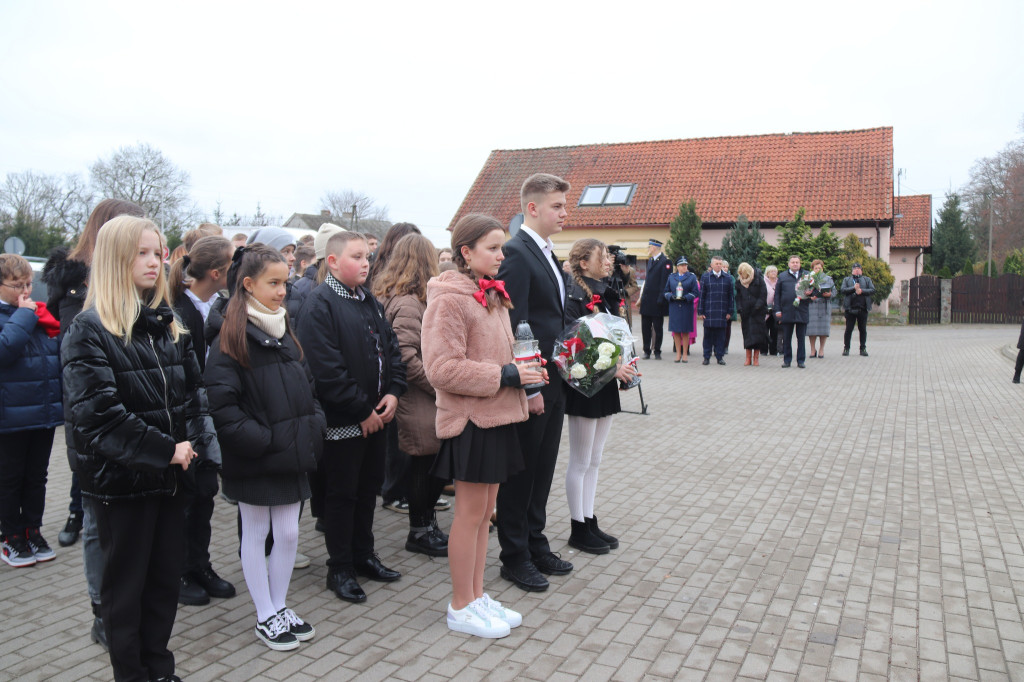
(621, 258)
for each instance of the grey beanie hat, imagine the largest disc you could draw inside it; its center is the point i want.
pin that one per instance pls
(275, 237)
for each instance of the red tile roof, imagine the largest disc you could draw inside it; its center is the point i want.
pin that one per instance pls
(835, 176)
(914, 229)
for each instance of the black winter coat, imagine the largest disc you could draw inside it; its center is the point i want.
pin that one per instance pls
(339, 337)
(267, 417)
(66, 289)
(299, 291)
(127, 406)
(652, 301)
(752, 303)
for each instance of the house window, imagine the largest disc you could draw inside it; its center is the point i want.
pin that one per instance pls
(866, 241)
(607, 195)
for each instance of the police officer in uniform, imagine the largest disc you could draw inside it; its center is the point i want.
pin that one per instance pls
(653, 305)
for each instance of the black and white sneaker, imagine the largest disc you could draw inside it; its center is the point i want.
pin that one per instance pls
(274, 633)
(40, 547)
(302, 630)
(15, 551)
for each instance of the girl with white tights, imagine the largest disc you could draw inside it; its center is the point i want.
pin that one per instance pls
(590, 419)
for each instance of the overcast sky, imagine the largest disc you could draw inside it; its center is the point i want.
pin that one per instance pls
(280, 102)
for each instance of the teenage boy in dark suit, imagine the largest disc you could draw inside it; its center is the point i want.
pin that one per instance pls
(535, 283)
(793, 317)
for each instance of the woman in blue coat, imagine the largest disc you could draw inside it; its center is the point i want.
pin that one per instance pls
(681, 289)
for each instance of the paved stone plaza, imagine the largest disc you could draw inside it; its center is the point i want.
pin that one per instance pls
(858, 519)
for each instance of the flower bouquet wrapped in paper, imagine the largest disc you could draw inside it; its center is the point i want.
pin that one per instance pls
(809, 282)
(589, 351)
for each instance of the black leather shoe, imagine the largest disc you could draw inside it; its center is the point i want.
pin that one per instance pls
(863, 353)
(72, 528)
(647, 356)
(801, 365)
(192, 593)
(373, 569)
(344, 584)
(721, 361)
(98, 634)
(214, 585)
(525, 576)
(707, 361)
(320, 526)
(427, 540)
(551, 564)
(846, 351)
(785, 365)
(657, 356)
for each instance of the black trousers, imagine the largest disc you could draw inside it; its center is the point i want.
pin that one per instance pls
(859, 318)
(787, 341)
(714, 340)
(396, 470)
(773, 334)
(24, 461)
(424, 489)
(198, 513)
(142, 541)
(523, 499)
(353, 471)
(652, 325)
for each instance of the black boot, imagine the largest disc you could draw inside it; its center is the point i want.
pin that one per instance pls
(191, 593)
(613, 542)
(98, 633)
(582, 539)
(426, 538)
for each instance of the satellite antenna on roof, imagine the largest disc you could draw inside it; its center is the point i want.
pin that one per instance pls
(515, 224)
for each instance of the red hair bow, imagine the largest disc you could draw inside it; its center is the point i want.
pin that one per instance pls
(486, 284)
(594, 300)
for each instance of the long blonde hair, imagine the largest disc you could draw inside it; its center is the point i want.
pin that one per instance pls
(111, 290)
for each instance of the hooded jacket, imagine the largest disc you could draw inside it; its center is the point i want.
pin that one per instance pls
(66, 289)
(30, 393)
(128, 405)
(267, 416)
(465, 347)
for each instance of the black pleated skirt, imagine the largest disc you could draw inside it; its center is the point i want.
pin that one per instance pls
(480, 455)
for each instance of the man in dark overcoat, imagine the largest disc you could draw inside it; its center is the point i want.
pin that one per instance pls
(717, 301)
(653, 306)
(792, 317)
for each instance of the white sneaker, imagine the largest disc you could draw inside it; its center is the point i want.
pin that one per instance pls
(301, 560)
(477, 620)
(513, 618)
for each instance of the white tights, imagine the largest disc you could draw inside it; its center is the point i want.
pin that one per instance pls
(268, 580)
(586, 443)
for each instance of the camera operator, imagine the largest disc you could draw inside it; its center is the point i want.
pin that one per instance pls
(623, 280)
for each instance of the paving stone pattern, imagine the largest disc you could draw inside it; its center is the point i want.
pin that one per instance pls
(858, 519)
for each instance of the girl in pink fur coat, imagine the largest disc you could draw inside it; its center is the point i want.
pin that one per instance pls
(467, 354)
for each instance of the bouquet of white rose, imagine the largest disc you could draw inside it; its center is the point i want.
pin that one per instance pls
(810, 281)
(588, 352)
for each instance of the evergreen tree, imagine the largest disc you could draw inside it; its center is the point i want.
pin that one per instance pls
(797, 239)
(684, 238)
(1014, 263)
(952, 241)
(742, 243)
(968, 268)
(944, 272)
(993, 269)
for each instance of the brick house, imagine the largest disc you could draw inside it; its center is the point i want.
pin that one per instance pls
(627, 193)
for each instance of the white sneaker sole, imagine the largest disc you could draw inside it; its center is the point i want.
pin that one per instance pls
(277, 646)
(470, 630)
(16, 563)
(305, 637)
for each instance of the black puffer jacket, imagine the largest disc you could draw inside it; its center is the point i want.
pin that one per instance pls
(128, 405)
(268, 419)
(340, 337)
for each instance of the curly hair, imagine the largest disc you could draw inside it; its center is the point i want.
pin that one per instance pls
(412, 263)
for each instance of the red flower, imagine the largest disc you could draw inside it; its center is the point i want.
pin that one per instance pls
(575, 345)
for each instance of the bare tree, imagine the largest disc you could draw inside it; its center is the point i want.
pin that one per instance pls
(141, 174)
(369, 217)
(58, 204)
(995, 197)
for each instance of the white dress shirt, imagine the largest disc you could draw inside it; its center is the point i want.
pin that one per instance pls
(548, 248)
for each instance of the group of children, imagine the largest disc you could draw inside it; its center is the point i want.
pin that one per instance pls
(299, 408)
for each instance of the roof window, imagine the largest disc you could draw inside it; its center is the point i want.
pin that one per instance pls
(607, 195)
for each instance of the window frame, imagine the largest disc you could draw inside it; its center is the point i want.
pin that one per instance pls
(608, 186)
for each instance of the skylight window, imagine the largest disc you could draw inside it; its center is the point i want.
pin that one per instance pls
(607, 195)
